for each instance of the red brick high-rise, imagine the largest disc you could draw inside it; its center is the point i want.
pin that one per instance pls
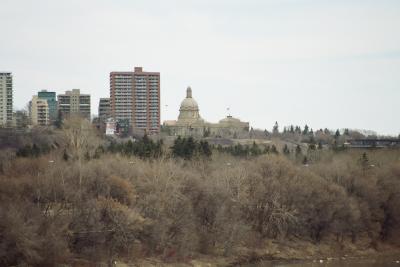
(135, 96)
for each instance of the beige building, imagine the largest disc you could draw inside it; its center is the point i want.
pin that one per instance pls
(39, 111)
(190, 122)
(6, 99)
(74, 103)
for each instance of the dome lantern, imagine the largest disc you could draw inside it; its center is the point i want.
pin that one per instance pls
(189, 92)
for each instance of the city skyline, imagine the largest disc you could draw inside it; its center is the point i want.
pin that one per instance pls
(334, 65)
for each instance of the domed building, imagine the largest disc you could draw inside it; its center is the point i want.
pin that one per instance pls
(190, 122)
(189, 110)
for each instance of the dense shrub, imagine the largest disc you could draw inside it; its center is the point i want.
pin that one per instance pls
(111, 206)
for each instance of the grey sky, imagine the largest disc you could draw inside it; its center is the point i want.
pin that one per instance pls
(327, 63)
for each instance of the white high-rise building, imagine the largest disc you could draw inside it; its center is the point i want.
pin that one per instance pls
(6, 99)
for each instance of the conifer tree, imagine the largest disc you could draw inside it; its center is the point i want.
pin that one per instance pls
(337, 134)
(364, 161)
(255, 150)
(319, 145)
(305, 131)
(274, 150)
(205, 149)
(298, 152)
(275, 129)
(286, 150)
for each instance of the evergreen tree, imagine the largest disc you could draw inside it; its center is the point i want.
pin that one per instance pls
(274, 150)
(158, 148)
(205, 149)
(65, 155)
(255, 150)
(291, 129)
(319, 145)
(298, 151)
(337, 134)
(177, 148)
(128, 148)
(305, 131)
(275, 129)
(364, 161)
(58, 123)
(35, 151)
(286, 150)
(189, 148)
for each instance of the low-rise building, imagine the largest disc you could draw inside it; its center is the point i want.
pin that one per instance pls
(190, 123)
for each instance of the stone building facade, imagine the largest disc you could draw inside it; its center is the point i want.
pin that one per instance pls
(190, 123)
(74, 103)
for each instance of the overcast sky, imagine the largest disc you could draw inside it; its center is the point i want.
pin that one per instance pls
(327, 63)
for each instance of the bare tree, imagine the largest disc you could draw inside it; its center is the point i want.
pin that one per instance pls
(81, 141)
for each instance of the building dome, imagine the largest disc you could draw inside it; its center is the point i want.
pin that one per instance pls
(189, 103)
(189, 111)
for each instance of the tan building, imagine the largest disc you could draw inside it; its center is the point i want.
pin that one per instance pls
(190, 122)
(74, 103)
(39, 111)
(6, 99)
(135, 98)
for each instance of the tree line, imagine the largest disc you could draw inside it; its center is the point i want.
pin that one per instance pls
(101, 207)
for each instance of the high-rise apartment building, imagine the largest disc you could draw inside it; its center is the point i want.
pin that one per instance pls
(39, 111)
(74, 103)
(104, 109)
(135, 97)
(6, 99)
(50, 97)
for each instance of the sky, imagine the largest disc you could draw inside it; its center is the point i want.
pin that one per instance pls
(326, 63)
